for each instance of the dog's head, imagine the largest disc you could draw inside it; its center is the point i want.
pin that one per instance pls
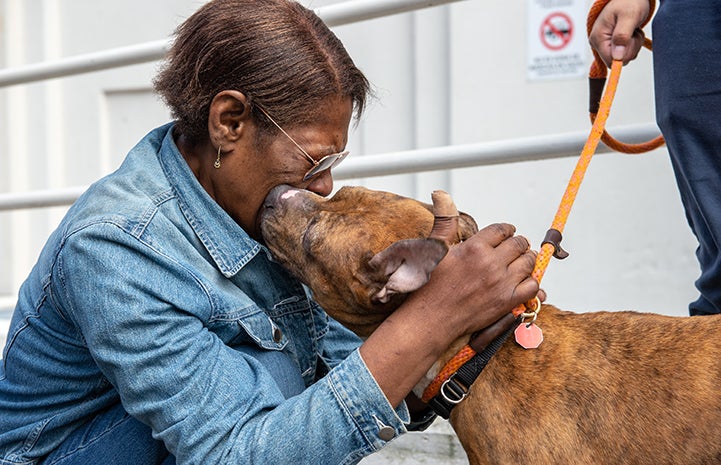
(360, 251)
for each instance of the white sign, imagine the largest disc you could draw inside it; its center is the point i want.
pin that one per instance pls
(557, 42)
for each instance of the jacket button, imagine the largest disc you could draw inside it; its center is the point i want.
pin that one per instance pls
(277, 335)
(387, 433)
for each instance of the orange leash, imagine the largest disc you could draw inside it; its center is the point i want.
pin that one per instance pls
(464, 355)
(601, 107)
(548, 249)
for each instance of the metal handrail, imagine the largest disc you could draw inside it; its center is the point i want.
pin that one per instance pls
(515, 150)
(40, 198)
(334, 15)
(410, 161)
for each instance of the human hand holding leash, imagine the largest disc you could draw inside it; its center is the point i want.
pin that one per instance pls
(616, 34)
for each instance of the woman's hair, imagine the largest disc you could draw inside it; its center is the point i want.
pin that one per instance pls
(277, 52)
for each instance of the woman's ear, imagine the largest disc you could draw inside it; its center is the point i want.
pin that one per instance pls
(227, 118)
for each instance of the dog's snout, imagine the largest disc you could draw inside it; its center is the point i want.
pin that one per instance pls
(287, 197)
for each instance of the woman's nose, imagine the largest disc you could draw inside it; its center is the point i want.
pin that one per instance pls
(322, 184)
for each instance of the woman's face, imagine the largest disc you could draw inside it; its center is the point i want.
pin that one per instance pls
(251, 170)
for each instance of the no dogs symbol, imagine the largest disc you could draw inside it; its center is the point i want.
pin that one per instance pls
(556, 31)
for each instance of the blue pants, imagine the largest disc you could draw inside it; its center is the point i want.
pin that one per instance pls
(687, 70)
(115, 438)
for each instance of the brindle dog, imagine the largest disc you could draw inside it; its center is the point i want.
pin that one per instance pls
(602, 388)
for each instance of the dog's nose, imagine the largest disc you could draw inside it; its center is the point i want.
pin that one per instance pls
(289, 197)
(271, 207)
(277, 194)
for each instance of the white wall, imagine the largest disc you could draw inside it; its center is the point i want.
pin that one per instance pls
(59, 132)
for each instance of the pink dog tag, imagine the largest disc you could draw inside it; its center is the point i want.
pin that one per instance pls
(528, 336)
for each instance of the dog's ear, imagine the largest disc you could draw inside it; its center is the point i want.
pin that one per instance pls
(406, 265)
(448, 224)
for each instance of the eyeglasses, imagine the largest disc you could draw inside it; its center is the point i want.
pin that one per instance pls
(325, 163)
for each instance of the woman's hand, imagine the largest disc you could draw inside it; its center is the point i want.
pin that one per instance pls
(479, 281)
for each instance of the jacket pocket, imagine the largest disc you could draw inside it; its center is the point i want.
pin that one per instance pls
(251, 325)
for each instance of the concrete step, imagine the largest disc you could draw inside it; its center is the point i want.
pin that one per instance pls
(438, 445)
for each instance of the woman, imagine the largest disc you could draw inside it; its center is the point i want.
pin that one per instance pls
(155, 328)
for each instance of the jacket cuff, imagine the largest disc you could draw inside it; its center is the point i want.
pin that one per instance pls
(363, 400)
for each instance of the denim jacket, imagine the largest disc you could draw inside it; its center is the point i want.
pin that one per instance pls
(141, 296)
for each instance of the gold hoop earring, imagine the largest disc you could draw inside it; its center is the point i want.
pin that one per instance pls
(217, 160)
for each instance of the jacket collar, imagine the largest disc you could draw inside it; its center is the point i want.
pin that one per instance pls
(227, 243)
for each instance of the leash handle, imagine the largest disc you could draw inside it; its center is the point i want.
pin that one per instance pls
(597, 79)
